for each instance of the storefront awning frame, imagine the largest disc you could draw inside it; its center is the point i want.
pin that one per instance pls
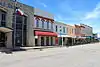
(42, 33)
(5, 29)
(66, 36)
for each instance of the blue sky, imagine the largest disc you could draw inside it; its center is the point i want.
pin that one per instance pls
(71, 11)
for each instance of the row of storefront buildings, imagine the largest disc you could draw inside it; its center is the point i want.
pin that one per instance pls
(37, 28)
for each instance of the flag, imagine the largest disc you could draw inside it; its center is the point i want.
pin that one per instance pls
(19, 11)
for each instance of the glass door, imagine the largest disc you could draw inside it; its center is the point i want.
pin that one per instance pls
(42, 41)
(51, 41)
(21, 30)
(47, 41)
(2, 24)
(2, 39)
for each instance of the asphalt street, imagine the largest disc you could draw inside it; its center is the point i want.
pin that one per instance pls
(76, 56)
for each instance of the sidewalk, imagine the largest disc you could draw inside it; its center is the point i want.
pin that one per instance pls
(39, 47)
(75, 56)
(16, 49)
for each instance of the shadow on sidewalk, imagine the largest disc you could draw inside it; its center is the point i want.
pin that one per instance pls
(10, 51)
(19, 49)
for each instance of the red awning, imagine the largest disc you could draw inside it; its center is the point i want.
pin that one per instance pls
(40, 33)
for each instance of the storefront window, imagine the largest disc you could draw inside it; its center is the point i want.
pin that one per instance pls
(42, 41)
(2, 39)
(47, 41)
(51, 41)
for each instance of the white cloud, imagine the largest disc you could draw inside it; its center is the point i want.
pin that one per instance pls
(43, 4)
(93, 14)
(92, 18)
(66, 20)
(59, 18)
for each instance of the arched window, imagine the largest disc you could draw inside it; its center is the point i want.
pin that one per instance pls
(42, 23)
(37, 22)
(3, 18)
(50, 25)
(45, 24)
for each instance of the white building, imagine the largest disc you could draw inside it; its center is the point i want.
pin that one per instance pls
(98, 35)
(61, 30)
(43, 28)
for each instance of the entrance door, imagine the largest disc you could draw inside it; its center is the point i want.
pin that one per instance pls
(2, 39)
(42, 41)
(47, 41)
(2, 24)
(36, 42)
(21, 30)
(51, 41)
(69, 41)
(60, 40)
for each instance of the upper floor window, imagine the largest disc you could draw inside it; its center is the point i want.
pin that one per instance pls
(19, 19)
(37, 23)
(67, 28)
(45, 25)
(42, 24)
(72, 31)
(56, 28)
(75, 31)
(3, 17)
(51, 26)
(48, 25)
(60, 29)
(63, 29)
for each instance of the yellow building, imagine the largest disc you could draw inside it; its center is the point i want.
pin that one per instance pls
(71, 31)
(71, 34)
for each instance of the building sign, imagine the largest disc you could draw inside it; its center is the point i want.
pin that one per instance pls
(5, 3)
